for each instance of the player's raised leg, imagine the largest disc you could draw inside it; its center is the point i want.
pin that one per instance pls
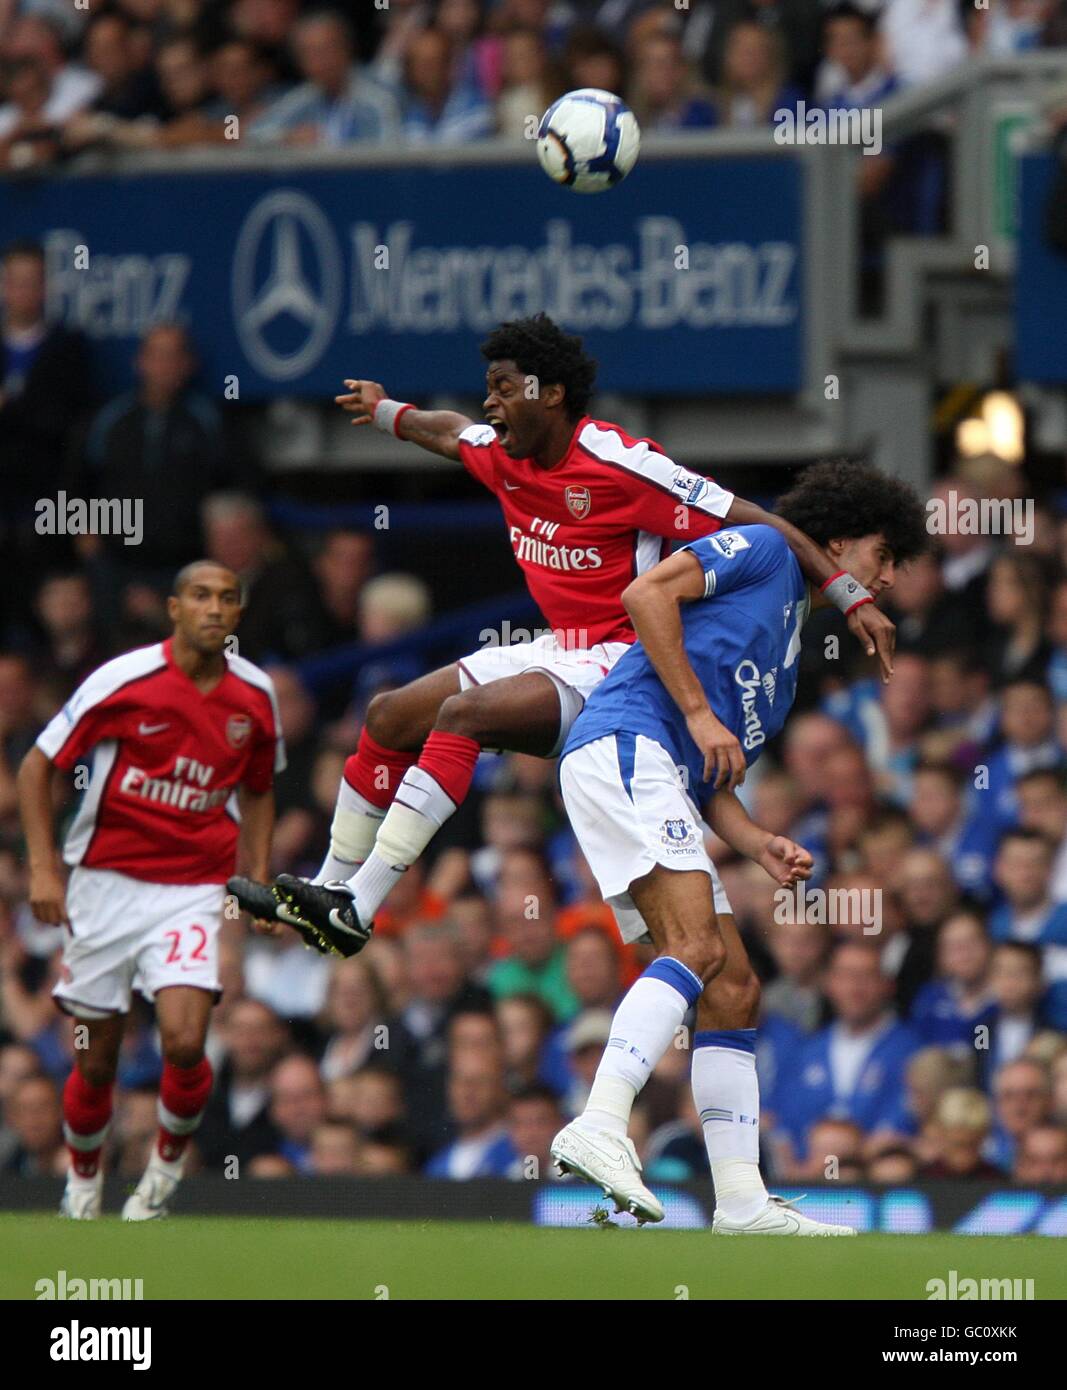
(87, 1100)
(521, 713)
(678, 909)
(726, 1093)
(183, 1013)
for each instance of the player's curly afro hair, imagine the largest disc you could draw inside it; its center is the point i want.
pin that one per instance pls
(843, 500)
(541, 349)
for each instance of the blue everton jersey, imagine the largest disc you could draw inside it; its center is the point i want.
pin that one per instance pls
(742, 639)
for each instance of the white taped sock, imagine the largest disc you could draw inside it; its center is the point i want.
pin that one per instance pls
(418, 811)
(726, 1092)
(356, 822)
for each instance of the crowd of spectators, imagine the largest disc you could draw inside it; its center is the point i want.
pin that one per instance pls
(166, 74)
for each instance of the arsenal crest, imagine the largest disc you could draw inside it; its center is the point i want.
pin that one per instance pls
(578, 502)
(238, 728)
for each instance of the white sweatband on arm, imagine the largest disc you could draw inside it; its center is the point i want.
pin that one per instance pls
(387, 413)
(846, 593)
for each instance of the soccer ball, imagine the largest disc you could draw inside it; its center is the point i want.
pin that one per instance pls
(588, 140)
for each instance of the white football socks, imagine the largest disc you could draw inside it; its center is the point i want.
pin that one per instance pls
(726, 1092)
(355, 824)
(418, 811)
(645, 1024)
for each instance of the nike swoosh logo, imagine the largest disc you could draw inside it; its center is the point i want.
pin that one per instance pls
(147, 729)
(512, 487)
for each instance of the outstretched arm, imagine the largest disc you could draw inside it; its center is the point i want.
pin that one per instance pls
(435, 430)
(653, 602)
(47, 891)
(785, 860)
(867, 623)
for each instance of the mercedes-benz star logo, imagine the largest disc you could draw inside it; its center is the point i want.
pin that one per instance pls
(296, 231)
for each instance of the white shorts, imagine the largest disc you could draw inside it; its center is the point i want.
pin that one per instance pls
(575, 672)
(629, 810)
(127, 934)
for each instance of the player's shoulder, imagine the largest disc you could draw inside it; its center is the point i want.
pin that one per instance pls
(119, 672)
(250, 675)
(611, 444)
(762, 540)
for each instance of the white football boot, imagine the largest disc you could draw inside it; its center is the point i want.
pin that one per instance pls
(778, 1218)
(152, 1196)
(610, 1162)
(82, 1197)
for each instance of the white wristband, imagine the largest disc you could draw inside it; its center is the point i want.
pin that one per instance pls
(387, 413)
(846, 593)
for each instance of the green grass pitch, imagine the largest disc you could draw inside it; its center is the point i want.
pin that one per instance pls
(267, 1258)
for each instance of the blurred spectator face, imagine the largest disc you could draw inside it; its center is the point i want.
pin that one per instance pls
(136, 1128)
(182, 75)
(1042, 1156)
(298, 1098)
(434, 966)
(884, 845)
(918, 585)
(955, 689)
(524, 875)
(238, 74)
(390, 606)
(1042, 804)
(964, 951)
(523, 1029)
(255, 1037)
(1015, 979)
(906, 699)
(594, 62)
(164, 363)
(334, 1151)
(532, 937)
(850, 44)
(525, 59)
(28, 88)
(236, 533)
(748, 59)
(1009, 599)
(383, 1160)
(1025, 713)
(1022, 1094)
(296, 708)
(107, 50)
(460, 20)
(777, 803)
(16, 693)
(34, 38)
(660, 71)
(533, 1122)
(428, 67)
(510, 822)
(1059, 1089)
(473, 1032)
(892, 1169)
(833, 1142)
(810, 740)
(960, 1147)
(593, 970)
(927, 1078)
(1021, 871)
(326, 774)
(475, 925)
(935, 801)
(34, 1114)
(345, 563)
(351, 1002)
(65, 605)
(926, 887)
(268, 22)
(952, 540)
(370, 1100)
(18, 1062)
(476, 1094)
(798, 949)
(856, 987)
(22, 290)
(324, 53)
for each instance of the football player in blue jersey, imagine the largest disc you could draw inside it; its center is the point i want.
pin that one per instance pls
(673, 728)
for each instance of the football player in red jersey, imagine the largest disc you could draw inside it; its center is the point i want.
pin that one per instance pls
(588, 508)
(185, 740)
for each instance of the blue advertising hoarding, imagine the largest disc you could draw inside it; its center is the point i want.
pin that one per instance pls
(686, 279)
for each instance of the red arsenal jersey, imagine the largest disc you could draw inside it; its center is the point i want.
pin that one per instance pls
(166, 763)
(605, 513)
